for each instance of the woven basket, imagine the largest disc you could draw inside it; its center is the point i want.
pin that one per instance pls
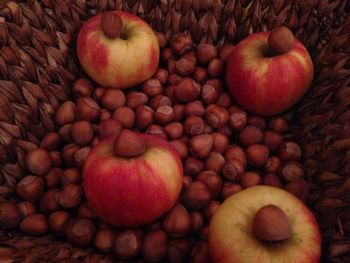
(38, 66)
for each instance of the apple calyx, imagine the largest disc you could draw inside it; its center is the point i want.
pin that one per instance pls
(111, 25)
(129, 144)
(281, 40)
(271, 224)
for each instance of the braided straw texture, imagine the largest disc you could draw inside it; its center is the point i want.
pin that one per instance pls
(38, 66)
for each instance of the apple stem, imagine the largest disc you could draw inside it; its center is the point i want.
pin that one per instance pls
(111, 25)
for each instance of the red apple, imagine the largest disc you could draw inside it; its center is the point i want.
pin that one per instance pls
(118, 49)
(132, 191)
(264, 224)
(269, 72)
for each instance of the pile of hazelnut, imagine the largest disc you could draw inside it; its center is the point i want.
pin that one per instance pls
(223, 148)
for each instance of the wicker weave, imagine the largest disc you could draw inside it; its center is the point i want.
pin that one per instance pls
(38, 65)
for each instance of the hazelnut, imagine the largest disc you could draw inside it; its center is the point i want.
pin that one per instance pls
(51, 141)
(177, 221)
(57, 220)
(201, 75)
(216, 68)
(65, 113)
(281, 40)
(272, 140)
(173, 80)
(82, 87)
(164, 115)
(193, 166)
(229, 189)
(197, 221)
(180, 147)
(113, 99)
(271, 224)
(206, 53)
(167, 54)
(70, 196)
(299, 188)
(80, 232)
(49, 202)
(216, 116)
(108, 128)
(236, 152)
(180, 43)
(257, 155)
(125, 117)
(56, 158)
(215, 161)
(143, 117)
(156, 130)
(250, 135)
(34, 225)
(187, 90)
(88, 109)
(71, 176)
(278, 124)
(38, 161)
(30, 188)
(155, 239)
(272, 180)
(238, 118)
(225, 51)
(174, 130)
(273, 165)
(212, 180)
(178, 112)
(196, 196)
(195, 108)
(224, 100)
(26, 208)
(193, 125)
(292, 171)
(232, 169)
(162, 75)
(153, 87)
(200, 253)
(184, 67)
(104, 240)
(210, 210)
(209, 94)
(10, 216)
(68, 154)
(135, 99)
(289, 151)
(220, 142)
(53, 178)
(105, 115)
(65, 133)
(129, 144)
(81, 155)
(82, 132)
(200, 145)
(249, 179)
(85, 212)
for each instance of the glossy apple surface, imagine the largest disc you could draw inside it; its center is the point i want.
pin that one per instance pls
(130, 192)
(232, 239)
(264, 84)
(121, 62)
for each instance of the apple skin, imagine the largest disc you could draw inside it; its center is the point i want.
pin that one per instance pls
(268, 85)
(130, 192)
(231, 236)
(118, 63)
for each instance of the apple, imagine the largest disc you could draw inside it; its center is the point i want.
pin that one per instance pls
(269, 72)
(264, 224)
(118, 49)
(132, 179)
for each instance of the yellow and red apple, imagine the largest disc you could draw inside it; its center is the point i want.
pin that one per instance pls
(118, 49)
(131, 191)
(269, 72)
(264, 224)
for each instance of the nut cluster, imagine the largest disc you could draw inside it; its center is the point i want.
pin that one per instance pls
(223, 148)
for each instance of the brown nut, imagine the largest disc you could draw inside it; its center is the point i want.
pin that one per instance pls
(98, 93)
(57, 220)
(56, 158)
(127, 244)
(225, 51)
(10, 216)
(180, 148)
(180, 43)
(34, 225)
(206, 53)
(70, 196)
(51, 141)
(108, 128)
(174, 130)
(171, 66)
(273, 165)
(26, 208)
(209, 94)
(191, 56)
(272, 140)
(229, 189)
(238, 118)
(289, 151)
(164, 115)
(200, 75)
(216, 68)
(82, 132)
(65, 133)
(49, 201)
(184, 67)
(166, 54)
(186, 181)
(215, 162)
(235, 152)
(197, 221)
(80, 232)
(71, 176)
(173, 80)
(220, 142)
(272, 180)
(257, 155)
(162, 76)
(224, 100)
(85, 212)
(113, 99)
(187, 90)
(155, 239)
(178, 112)
(195, 108)
(30, 188)
(129, 144)
(143, 117)
(216, 116)
(135, 99)
(292, 171)
(81, 155)
(196, 196)
(38, 161)
(250, 135)
(212, 180)
(88, 109)
(200, 145)
(125, 117)
(177, 221)
(278, 124)
(68, 154)
(192, 166)
(53, 178)
(249, 179)
(232, 169)
(104, 240)
(156, 130)
(281, 40)
(111, 25)
(193, 125)
(153, 87)
(300, 188)
(82, 87)
(65, 113)
(200, 253)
